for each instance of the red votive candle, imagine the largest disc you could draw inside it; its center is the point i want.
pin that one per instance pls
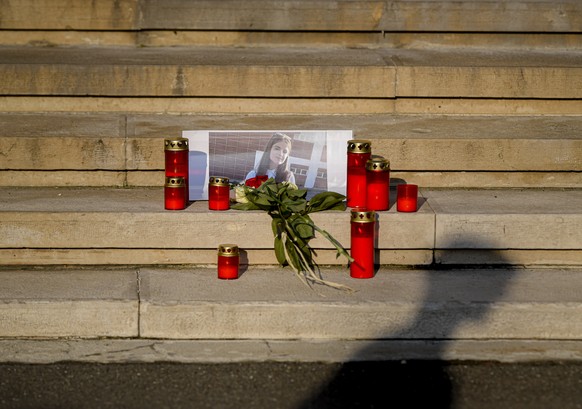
(362, 243)
(228, 261)
(175, 193)
(218, 193)
(378, 184)
(176, 154)
(407, 199)
(359, 151)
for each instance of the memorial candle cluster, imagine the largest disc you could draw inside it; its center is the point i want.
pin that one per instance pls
(368, 191)
(176, 169)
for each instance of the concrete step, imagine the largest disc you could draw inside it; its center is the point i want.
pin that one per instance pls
(56, 226)
(429, 15)
(289, 72)
(493, 304)
(42, 149)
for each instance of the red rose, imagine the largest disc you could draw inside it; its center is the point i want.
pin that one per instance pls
(256, 181)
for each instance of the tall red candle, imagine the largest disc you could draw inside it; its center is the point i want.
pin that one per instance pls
(228, 261)
(378, 184)
(175, 193)
(218, 193)
(362, 243)
(407, 198)
(176, 155)
(359, 151)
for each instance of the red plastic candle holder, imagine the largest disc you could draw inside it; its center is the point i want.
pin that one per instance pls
(176, 155)
(228, 261)
(218, 193)
(359, 152)
(175, 193)
(378, 184)
(362, 243)
(407, 198)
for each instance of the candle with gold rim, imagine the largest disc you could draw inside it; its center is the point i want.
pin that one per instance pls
(228, 261)
(176, 159)
(359, 152)
(378, 184)
(175, 193)
(218, 193)
(363, 224)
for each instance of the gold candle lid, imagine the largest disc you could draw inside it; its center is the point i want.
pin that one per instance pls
(176, 144)
(218, 181)
(363, 216)
(378, 164)
(175, 181)
(359, 146)
(228, 250)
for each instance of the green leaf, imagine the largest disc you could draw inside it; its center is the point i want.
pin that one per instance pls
(295, 206)
(303, 227)
(297, 193)
(245, 206)
(326, 201)
(280, 251)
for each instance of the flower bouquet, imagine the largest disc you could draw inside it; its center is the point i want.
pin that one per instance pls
(292, 227)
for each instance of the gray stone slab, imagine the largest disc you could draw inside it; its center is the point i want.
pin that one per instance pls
(274, 304)
(135, 218)
(183, 71)
(419, 16)
(68, 303)
(410, 142)
(507, 219)
(228, 351)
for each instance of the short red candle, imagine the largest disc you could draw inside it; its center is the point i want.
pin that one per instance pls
(359, 151)
(362, 243)
(378, 184)
(176, 156)
(228, 261)
(175, 193)
(407, 199)
(218, 193)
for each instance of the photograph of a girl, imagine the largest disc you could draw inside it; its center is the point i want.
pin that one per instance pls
(275, 160)
(315, 160)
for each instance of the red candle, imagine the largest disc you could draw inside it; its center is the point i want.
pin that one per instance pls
(228, 261)
(218, 193)
(176, 153)
(407, 199)
(362, 243)
(175, 193)
(378, 184)
(359, 151)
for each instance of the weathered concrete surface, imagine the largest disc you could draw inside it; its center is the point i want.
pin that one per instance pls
(68, 303)
(135, 218)
(410, 142)
(112, 257)
(290, 72)
(129, 226)
(72, 142)
(421, 144)
(514, 219)
(267, 304)
(515, 16)
(419, 16)
(183, 71)
(228, 351)
(271, 303)
(478, 74)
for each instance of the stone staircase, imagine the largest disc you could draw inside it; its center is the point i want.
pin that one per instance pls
(478, 102)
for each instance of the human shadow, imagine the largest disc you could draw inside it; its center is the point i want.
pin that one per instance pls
(455, 305)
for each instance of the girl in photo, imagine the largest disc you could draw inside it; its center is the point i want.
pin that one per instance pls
(275, 160)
